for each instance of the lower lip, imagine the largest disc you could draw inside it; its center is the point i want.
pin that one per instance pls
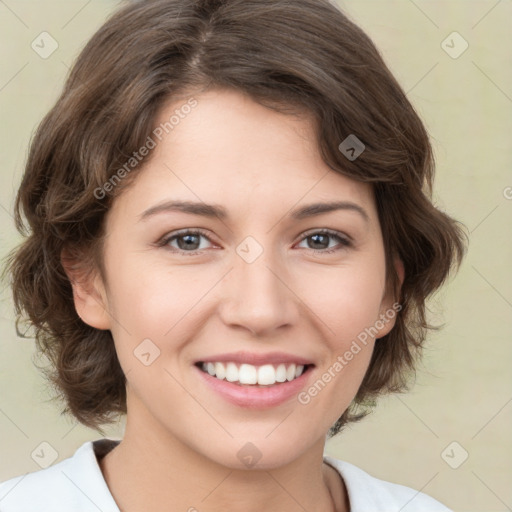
(253, 397)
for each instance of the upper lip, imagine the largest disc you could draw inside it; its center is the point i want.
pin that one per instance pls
(255, 359)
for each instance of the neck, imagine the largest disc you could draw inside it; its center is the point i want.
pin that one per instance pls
(174, 473)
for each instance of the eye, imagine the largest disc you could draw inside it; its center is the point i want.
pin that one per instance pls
(320, 241)
(188, 241)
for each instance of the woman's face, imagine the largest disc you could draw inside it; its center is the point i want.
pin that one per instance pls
(262, 284)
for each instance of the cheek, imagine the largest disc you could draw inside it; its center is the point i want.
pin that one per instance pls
(152, 311)
(348, 300)
(348, 309)
(155, 303)
(154, 300)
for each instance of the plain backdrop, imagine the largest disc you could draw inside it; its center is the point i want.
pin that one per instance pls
(450, 436)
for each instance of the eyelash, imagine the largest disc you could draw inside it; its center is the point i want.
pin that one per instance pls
(344, 241)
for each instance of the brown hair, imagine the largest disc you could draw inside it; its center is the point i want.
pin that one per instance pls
(289, 56)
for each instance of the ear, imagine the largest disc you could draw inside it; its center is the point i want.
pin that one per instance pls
(389, 306)
(88, 291)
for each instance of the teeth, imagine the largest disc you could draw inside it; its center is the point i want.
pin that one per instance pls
(220, 370)
(248, 374)
(281, 373)
(265, 375)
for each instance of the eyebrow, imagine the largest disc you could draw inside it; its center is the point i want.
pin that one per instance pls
(215, 210)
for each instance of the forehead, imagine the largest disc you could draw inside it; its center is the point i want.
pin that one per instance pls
(230, 150)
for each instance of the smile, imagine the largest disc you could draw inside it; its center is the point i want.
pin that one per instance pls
(273, 393)
(248, 374)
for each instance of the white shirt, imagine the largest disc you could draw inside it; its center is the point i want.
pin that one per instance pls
(76, 484)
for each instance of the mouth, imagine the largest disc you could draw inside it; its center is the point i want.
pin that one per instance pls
(248, 375)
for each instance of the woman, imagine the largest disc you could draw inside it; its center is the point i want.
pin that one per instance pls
(231, 241)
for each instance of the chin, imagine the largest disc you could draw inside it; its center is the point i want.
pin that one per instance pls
(266, 449)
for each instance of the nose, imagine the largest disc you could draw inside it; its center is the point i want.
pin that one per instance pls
(257, 296)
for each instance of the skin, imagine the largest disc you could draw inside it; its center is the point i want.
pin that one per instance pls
(259, 165)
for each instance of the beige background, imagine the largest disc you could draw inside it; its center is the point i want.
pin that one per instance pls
(463, 391)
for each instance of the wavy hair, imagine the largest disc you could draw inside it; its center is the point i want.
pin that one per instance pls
(304, 55)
